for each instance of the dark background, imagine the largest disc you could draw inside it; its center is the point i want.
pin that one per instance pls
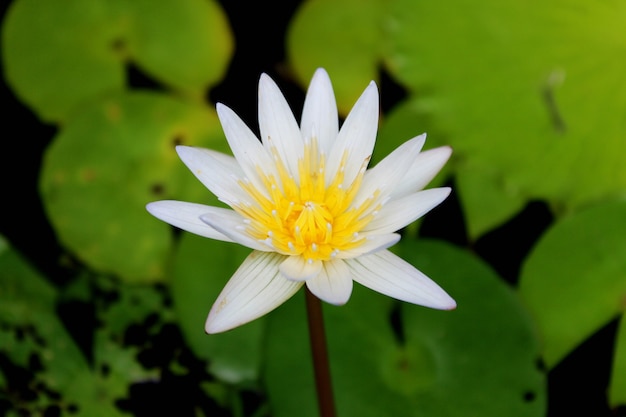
(576, 387)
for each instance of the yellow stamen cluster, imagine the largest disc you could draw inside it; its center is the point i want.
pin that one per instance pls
(307, 216)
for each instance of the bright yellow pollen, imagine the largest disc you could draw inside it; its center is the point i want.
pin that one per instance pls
(306, 216)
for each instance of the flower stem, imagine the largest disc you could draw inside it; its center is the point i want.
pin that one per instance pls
(319, 352)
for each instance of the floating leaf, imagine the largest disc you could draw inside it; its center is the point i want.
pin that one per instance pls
(437, 356)
(59, 54)
(488, 199)
(37, 344)
(185, 44)
(107, 163)
(343, 37)
(516, 94)
(617, 385)
(574, 280)
(201, 269)
(405, 121)
(56, 55)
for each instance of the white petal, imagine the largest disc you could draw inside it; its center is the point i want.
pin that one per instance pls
(398, 213)
(425, 167)
(385, 176)
(389, 274)
(246, 147)
(296, 268)
(255, 289)
(233, 225)
(373, 243)
(319, 114)
(218, 172)
(278, 126)
(356, 137)
(185, 216)
(333, 284)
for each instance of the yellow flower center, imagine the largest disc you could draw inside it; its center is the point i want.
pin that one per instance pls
(307, 216)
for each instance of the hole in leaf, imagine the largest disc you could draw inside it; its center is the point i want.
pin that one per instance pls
(178, 139)
(157, 189)
(529, 396)
(119, 46)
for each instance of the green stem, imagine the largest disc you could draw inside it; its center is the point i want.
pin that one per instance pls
(319, 352)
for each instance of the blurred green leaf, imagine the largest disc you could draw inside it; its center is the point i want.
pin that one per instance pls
(185, 44)
(517, 96)
(574, 280)
(35, 342)
(438, 355)
(58, 54)
(343, 37)
(409, 119)
(487, 198)
(617, 384)
(108, 161)
(136, 309)
(200, 271)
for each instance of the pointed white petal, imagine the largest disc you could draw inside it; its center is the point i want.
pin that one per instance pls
(398, 213)
(246, 147)
(373, 243)
(333, 284)
(233, 225)
(385, 176)
(319, 114)
(425, 167)
(278, 126)
(185, 216)
(218, 172)
(296, 268)
(389, 274)
(356, 137)
(255, 289)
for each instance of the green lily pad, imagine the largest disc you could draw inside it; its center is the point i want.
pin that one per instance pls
(343, 37)
(409, 119)
(107, 163)
(486, 345)
(200, 271)
(574, 280)
(516, 95)
(184, 44)
(57, 55)
(487, 198)
(31, 333)
(617, 384)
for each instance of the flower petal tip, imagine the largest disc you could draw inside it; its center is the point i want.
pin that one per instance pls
(450, 304)
(213, 326)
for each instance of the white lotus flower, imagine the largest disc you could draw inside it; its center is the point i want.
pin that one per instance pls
(304, 201)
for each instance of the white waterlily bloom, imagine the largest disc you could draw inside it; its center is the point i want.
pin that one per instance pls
(303, 199)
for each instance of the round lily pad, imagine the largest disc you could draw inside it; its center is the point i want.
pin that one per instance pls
(574, 280)
(435, 363)
(108, 162)
(57, 55)
(343, 37)
(530, 90)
